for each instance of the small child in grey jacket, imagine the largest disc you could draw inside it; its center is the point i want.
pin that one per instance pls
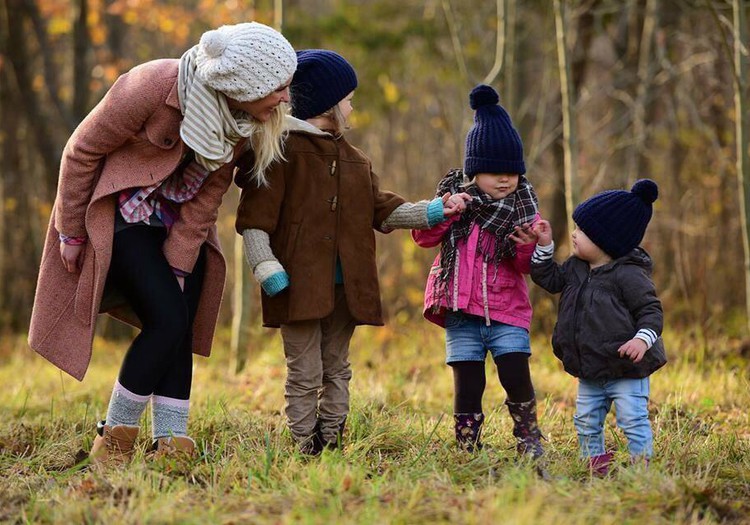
(608, 330)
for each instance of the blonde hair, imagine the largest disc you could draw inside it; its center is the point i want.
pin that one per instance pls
(336, 116)
(267, 142)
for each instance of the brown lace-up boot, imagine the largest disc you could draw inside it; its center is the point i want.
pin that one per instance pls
(113, 445)
(177, 446)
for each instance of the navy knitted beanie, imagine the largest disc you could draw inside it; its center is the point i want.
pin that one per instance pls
(616, 220)
(322, 80)
(492, 144)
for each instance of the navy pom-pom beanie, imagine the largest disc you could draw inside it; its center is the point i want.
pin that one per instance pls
(492, 144)
(322, 80)
(616, 220)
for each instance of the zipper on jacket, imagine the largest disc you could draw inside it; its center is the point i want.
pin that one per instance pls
(575, 318)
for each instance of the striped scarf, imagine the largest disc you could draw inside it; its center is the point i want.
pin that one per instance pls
(208, 126)
(496, 220)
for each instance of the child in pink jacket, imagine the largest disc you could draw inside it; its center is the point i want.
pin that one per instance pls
(476, 289)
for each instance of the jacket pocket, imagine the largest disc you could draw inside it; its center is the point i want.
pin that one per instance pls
(162, 129)
(500, 291)
(291, 243)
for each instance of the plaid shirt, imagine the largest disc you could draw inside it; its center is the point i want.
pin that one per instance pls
(138, 204)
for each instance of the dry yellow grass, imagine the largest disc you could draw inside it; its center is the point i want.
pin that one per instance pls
(399, 464)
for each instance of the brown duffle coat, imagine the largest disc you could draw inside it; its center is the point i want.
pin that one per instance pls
(321, 204)
(130, 139)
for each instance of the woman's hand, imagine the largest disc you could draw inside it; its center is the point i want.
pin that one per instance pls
(72, 256)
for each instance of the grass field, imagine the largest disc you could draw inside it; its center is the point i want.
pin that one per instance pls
(399, 464)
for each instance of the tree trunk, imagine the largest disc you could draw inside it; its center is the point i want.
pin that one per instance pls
(241, 299)
(81, 74)
(740, 110)
(570, 147)
(635, 158)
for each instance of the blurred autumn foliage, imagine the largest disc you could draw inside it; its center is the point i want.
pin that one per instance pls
(651, 97)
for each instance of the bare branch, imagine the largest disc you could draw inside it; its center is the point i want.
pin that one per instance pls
(451, 19)
(497, 67)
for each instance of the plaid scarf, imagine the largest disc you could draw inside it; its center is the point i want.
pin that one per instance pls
(496, 220)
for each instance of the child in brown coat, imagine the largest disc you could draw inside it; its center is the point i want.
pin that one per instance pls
(309, 240)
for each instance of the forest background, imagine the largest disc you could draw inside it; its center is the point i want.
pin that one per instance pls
(603, 92)
(651, 89)
(652, 96)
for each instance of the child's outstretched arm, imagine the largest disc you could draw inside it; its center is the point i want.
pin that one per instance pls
(426, 214)
(545, 272)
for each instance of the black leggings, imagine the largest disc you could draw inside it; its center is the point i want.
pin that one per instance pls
(160, 359)
(469, 381)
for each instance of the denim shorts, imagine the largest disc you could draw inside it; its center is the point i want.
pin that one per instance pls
(468, 338)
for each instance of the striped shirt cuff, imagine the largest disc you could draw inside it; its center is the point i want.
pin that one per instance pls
(435, 213)
(543, 253)
(648, 336)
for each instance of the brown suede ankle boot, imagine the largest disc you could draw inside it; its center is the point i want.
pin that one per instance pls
(177, 446)
(113, 445)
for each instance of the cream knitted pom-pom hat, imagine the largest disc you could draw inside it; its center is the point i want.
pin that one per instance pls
(245, 61)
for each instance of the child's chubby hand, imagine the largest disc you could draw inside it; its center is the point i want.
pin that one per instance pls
(635, 349)
(543, 231)
(523, 234)
(456, 203)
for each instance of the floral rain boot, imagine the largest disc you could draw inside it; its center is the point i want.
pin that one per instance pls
(469, 430)
(525, 428)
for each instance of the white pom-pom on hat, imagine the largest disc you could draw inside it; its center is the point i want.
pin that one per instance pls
(214, 43)
(245, 61)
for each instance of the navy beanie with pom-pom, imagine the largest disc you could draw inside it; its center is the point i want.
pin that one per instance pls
(616, 220)
(322, 80)
(492, 144)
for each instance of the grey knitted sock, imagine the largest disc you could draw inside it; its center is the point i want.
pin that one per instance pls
(170, 416)
(125, 407)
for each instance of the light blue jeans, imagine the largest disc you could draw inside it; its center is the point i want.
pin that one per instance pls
(594, 400)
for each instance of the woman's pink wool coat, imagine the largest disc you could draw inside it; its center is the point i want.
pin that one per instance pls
(130, 139)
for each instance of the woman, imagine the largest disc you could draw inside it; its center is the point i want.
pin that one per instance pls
(141, 181)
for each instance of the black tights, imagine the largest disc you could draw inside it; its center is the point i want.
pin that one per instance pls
(469, 381)
(160, 359)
